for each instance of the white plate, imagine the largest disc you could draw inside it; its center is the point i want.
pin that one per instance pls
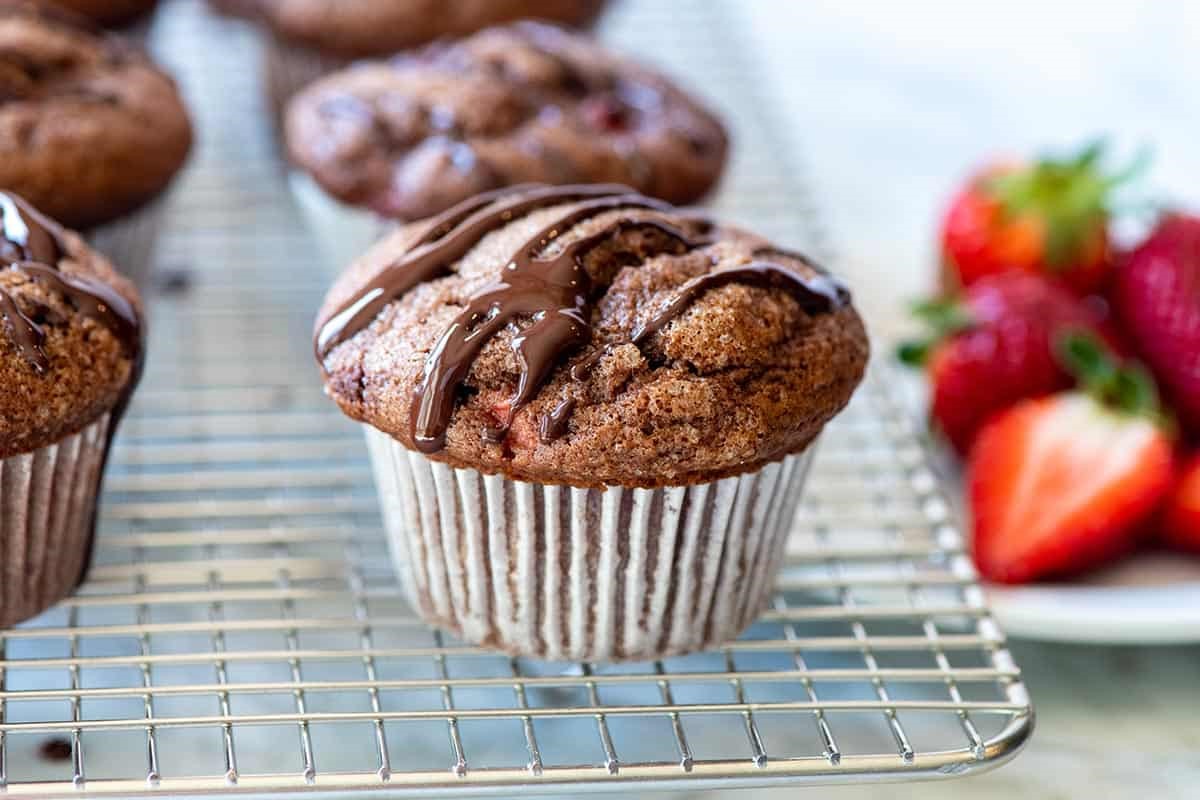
(1148, 598)
(1151, 598)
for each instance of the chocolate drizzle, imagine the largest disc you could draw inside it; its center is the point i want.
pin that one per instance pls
(819, 294)
(554, 425)
(449, 236)
(553, 295)
(30, 243)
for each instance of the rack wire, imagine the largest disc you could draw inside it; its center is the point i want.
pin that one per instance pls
(242, 630)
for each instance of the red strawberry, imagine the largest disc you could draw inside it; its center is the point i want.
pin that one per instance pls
(1157, 298)
(1063, 483)
(1049, 217)
(1181, 522)
(998, 349)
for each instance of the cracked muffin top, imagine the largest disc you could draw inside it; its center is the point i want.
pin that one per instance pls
(521, 103)
(588, 335)
(356, 28)
(90, 129)
(71, 338)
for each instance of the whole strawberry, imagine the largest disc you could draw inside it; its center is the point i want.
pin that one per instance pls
(1156, 295)
(1063, 483)
(994, 347)
(1049, 217)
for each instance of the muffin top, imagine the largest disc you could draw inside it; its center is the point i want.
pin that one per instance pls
(356, 28)
(71, 338)
(106, 12)
(89, 128)
(526, 102)
(589, 335)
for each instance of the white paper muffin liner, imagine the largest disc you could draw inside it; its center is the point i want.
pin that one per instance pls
(47, 502)
(343, 232)
(129, 242)
(563, 573)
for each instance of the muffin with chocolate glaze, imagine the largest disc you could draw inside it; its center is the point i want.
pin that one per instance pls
(90, 129)
(70, 356)
(590, 414)
(310, 38)
(524, 103)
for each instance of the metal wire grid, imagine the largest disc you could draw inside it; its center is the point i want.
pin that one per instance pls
(242, 629)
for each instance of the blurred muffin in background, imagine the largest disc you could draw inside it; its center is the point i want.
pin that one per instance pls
(310, 38)
(91, 130)
(107, 12)
(408, 137)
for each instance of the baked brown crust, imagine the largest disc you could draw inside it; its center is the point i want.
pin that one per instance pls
(90, 129)
(88, 368)
(743, 376)
(522, 103)
(107, 12)
(356, 28)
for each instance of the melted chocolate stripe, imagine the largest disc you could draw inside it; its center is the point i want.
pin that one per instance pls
(818, 294)
(96, 300)
(555, 292)
(25, 234)
(464, 226)
(25, 333)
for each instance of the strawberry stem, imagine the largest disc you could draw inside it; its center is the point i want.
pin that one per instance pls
(942, 317)
(1125, 386)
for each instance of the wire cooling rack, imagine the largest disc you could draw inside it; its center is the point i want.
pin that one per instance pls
(242, 629)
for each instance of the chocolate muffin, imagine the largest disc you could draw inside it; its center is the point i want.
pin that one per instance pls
(90, 129)
(522, 103)
(356, 28)
(70, 357)
(107, 12)
(589, 412)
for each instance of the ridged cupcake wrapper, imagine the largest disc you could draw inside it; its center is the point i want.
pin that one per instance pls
(129, 241)
(563, 573)
(343, 232)
(47, 504)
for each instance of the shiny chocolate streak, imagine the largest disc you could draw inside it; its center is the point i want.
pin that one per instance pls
(556, 293)
(448, 238)
(32, 244)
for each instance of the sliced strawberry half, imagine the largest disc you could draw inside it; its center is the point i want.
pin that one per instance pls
(1063, 483)
(1181, 521)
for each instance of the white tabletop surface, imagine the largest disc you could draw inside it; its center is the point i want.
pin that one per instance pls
(891, 104)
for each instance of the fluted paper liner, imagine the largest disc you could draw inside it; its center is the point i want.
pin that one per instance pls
(558, 572)
(47, 502)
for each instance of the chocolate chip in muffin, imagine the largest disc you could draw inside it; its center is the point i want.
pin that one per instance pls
(527, 102)
(589, 335)
(90, 129)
